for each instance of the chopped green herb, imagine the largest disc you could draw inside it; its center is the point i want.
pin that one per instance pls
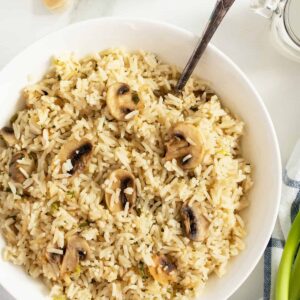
(70, 193)
(223, 152)
(54, 207)
(57, 62)
(141, 267)
(7, 190)
(77, 270)
(84, 224)
(135, 98)
(76, 273)
(138, 211)
(194, 108)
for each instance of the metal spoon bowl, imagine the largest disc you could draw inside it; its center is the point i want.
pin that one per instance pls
(219, 12)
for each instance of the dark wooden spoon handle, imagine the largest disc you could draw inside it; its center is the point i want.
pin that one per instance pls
(220, 10)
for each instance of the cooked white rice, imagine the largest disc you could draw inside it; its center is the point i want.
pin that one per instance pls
(50, 206)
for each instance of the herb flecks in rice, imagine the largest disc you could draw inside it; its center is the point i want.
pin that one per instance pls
(70, 104)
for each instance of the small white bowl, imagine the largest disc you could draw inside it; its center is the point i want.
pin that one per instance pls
(174, 45)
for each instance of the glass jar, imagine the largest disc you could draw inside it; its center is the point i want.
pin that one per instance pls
(285, 24)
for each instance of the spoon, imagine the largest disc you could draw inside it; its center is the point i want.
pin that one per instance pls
(219, 12)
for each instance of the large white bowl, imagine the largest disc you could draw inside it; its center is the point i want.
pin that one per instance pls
(174, 45)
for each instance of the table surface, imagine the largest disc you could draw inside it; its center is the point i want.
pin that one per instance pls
(243, 36)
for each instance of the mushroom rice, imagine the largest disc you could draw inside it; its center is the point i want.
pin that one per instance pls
(113, 186)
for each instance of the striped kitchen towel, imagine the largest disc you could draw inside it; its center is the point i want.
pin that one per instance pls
(289, 207)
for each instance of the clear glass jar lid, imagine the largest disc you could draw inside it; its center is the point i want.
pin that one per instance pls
(292, 19)
(285, 27)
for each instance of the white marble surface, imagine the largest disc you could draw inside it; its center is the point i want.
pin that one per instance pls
(243, 36)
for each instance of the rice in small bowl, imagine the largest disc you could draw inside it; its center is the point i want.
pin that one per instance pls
(172, 45)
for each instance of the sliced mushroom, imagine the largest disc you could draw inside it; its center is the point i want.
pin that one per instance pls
(164, 270)
(121, 100)
(195, 225)
(78, 152)
(8, 136)
(184, 144)
(21, 166)
(122, 180)
(77, 250)
(53, 258)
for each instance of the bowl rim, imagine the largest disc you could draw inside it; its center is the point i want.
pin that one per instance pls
(233, 65)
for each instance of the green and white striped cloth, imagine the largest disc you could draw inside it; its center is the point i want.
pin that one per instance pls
(289, 207)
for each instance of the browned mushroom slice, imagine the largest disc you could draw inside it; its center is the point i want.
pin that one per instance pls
(8, 136)
(77, 250)
(184, 145)
(163, 270)
(123, 181)
(121, 100)
(53, 258)
(21, 166)
(78, 152)
(194, 224)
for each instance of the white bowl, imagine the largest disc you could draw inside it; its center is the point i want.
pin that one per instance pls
(174, 45)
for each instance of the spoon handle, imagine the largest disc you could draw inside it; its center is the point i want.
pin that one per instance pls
(220, 10)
